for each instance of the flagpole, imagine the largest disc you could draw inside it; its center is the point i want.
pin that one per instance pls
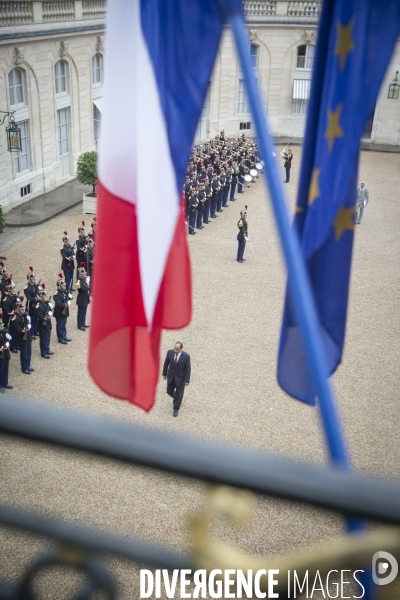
(299, 285)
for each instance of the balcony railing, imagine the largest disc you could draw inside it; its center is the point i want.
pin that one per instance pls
(304, 9)
(83, 548)
(19, 12)
(16, 12)
(58, 11)
(259, 8)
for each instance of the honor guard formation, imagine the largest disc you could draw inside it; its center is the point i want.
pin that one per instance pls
(214, 172)
(27, 318)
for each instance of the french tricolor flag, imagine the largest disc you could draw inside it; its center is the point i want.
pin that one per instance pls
(158, 61)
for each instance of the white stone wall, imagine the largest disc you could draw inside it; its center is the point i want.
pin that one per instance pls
(39, 57)
(277, 69)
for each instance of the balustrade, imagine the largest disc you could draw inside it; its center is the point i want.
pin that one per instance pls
(304, 9)
(93, 9)
(259, 8)
(16, 13)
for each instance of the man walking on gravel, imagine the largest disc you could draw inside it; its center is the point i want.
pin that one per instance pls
(176, 371)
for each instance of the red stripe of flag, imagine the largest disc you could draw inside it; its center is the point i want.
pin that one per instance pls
(123, 351)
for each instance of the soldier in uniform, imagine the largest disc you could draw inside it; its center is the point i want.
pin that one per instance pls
(44, 312)
(215, 186)
(193, 203)
(80, 248)
(22, 325)
(3, 280)
(31, 292)
(90, 258)
(62, 301)
(67, 265)
(207, 203)
(9, 305)
(201, 198)
(235, 173)
(362, 200)
(5, 338)
(242, 172)
(288, 157)
(242, 236)
(83, 297)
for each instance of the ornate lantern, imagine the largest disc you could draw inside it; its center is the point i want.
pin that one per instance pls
(394, 89)
(13, 136)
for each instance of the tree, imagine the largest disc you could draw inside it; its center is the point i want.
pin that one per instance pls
(2, 220)
(86, 169)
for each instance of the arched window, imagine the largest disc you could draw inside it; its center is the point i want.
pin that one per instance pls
(60, 76)
(97, 69)
(16, 84)
(305, 56)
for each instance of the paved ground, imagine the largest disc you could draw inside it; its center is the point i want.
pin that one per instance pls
(45, 207)
(233, 397)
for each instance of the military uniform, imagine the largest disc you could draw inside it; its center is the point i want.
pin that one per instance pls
(201, 198)
(192, 213)
(67, 264)
(21, 324)
(207, 203)
(4, 358)
(235, 174)
(82, 300)
(216, 190)
(241, 237)
(62, 301)
(31, 292)
(44, 314)
(288, 156)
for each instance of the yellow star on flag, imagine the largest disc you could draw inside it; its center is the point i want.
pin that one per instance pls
(314, 192)
(334, 130)
(297, 209)
(344, 220)
(344, 42)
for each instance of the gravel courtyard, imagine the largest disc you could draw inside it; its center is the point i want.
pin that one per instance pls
(233, 396)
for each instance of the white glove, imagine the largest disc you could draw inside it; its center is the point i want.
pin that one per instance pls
(50, 314)
(29, 326)
(28, 318)
(50, 306)
(88, 279)
(8, 336)
(69, 302)
(40, 288)
(70, 296)
(7, 344)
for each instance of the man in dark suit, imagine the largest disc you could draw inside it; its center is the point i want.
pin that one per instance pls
(177, 373)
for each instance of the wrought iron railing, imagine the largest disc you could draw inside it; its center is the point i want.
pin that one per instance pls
(330, 488)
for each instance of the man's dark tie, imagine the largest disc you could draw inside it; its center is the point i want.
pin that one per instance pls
(175, 359)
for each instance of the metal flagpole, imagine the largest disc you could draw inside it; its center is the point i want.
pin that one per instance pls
(299, 285)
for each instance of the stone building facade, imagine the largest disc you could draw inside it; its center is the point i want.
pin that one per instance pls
(282, 42)
(51, 58)
(51, 75)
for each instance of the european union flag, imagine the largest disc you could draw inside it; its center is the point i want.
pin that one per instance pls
(355, 43)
